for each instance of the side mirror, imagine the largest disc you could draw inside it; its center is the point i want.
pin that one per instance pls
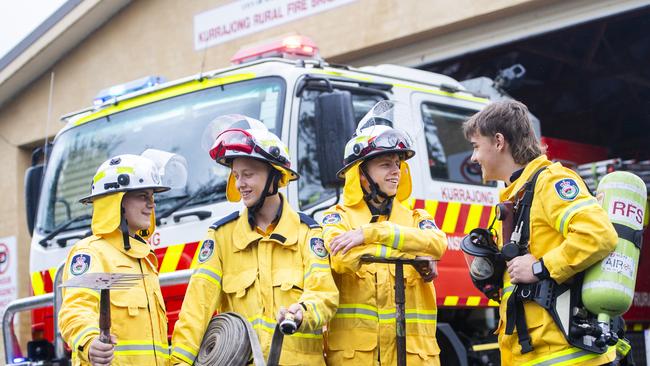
(335, 124)
(33, 183)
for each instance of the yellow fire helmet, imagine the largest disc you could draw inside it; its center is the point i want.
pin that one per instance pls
(248, 137)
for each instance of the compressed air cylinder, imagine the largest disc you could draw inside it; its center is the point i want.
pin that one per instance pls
(608, 288)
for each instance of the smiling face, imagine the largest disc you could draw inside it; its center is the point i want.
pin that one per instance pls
(486, 153)
(138, 207)
(385, 171)
(250, 177)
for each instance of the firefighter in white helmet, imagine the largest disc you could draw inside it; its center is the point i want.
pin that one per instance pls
(123, 218)
(372, 220)
(262, 262)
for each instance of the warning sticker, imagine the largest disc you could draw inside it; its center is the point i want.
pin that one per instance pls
(619, 263)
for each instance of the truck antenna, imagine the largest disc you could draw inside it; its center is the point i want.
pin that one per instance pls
(47, 121)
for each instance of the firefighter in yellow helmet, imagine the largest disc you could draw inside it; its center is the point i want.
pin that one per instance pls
(372, 220)
(263, 261)
(568, 232)
(123, 218)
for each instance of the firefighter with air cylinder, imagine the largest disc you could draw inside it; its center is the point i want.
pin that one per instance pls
(545, 267)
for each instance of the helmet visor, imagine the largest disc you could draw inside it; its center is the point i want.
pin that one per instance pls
(390, 140)
(234, 140)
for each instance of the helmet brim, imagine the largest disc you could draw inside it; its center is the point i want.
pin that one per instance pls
(156, 189)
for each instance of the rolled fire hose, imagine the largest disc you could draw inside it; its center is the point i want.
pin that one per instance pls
(229, 340)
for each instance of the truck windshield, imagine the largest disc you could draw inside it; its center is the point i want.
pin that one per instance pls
(175, 125)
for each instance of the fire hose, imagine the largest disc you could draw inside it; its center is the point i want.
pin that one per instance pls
(230, 339)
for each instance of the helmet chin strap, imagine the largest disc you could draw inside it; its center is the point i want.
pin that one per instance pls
(124, 227)
(386, 203)
(273, 180)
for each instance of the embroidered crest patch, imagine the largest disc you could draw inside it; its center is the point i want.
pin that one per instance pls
(427, 224)
(332, 218)
(317, 246)
(207, 248)
(79, 264)
(567, 189)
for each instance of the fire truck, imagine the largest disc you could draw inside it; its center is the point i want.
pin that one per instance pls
(314, 107)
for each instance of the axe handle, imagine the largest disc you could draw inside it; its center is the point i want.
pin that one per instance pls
(105, 316)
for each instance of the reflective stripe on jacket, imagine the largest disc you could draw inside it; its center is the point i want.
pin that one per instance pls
(570, 231)
(363, 329)
(138, 315)
(255, 276)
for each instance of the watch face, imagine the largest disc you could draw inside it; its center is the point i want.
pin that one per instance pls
(537, 268)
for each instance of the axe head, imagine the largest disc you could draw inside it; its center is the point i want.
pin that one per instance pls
(104, 281)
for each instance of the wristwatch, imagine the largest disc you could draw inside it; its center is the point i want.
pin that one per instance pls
(540, 271)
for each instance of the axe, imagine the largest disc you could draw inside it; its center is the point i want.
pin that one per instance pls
(104, 282)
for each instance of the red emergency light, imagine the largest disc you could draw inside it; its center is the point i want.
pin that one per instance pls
(291, 47)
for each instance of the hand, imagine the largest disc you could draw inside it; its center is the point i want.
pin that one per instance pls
(429, 270)
(520, 269)
(100, 353)
(346, 241)
(295, 309)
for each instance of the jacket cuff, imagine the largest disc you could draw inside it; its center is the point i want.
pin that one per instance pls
(557, 266)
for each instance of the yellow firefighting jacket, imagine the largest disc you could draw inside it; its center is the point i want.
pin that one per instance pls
(570, 231)
(138, 316)
(363, 329)
(253, 275)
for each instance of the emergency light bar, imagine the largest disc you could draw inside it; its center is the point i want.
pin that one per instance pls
(122, 89)
(291, 47)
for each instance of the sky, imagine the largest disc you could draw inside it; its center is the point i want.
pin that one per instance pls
(19, 17)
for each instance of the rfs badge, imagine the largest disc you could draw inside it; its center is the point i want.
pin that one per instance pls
(79, 264)
(317, 246)
(332, 218)
(427, 224)
(207, 248)
(567, 189)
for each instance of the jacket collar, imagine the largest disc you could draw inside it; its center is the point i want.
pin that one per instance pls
(530, 169)
(285, 232)
(138, 249)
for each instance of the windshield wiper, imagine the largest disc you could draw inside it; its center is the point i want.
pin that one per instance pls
(200, 193)
(62, 227)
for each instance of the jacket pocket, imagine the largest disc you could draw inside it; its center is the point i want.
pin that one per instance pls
(127, 306)
(421, 348)
(351, 347)
(237, 284)
(287, 286)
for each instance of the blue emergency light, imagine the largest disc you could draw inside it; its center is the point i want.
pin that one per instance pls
(117, 90)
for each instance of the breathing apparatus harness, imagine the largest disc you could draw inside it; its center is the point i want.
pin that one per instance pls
(562, 301)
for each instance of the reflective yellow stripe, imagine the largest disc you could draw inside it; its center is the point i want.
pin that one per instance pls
(142, 348)
(86, 331)
(459, 95)
(125, 169)
(562, 222)
(473, 300)
(171, 259)
(473, 217)
(37, 283)
(173, 91)
(317, 267)
(185, 353)
(569, 356)
(99, 176)
(451, 217)
(268, 324)
(451, 301)
(362, 311)
(209, 273)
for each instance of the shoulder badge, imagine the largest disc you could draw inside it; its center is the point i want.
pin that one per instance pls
(317, 246)
(207, 248)
(332, 218)
(79, 264)
(567, 189)
(427, 224)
